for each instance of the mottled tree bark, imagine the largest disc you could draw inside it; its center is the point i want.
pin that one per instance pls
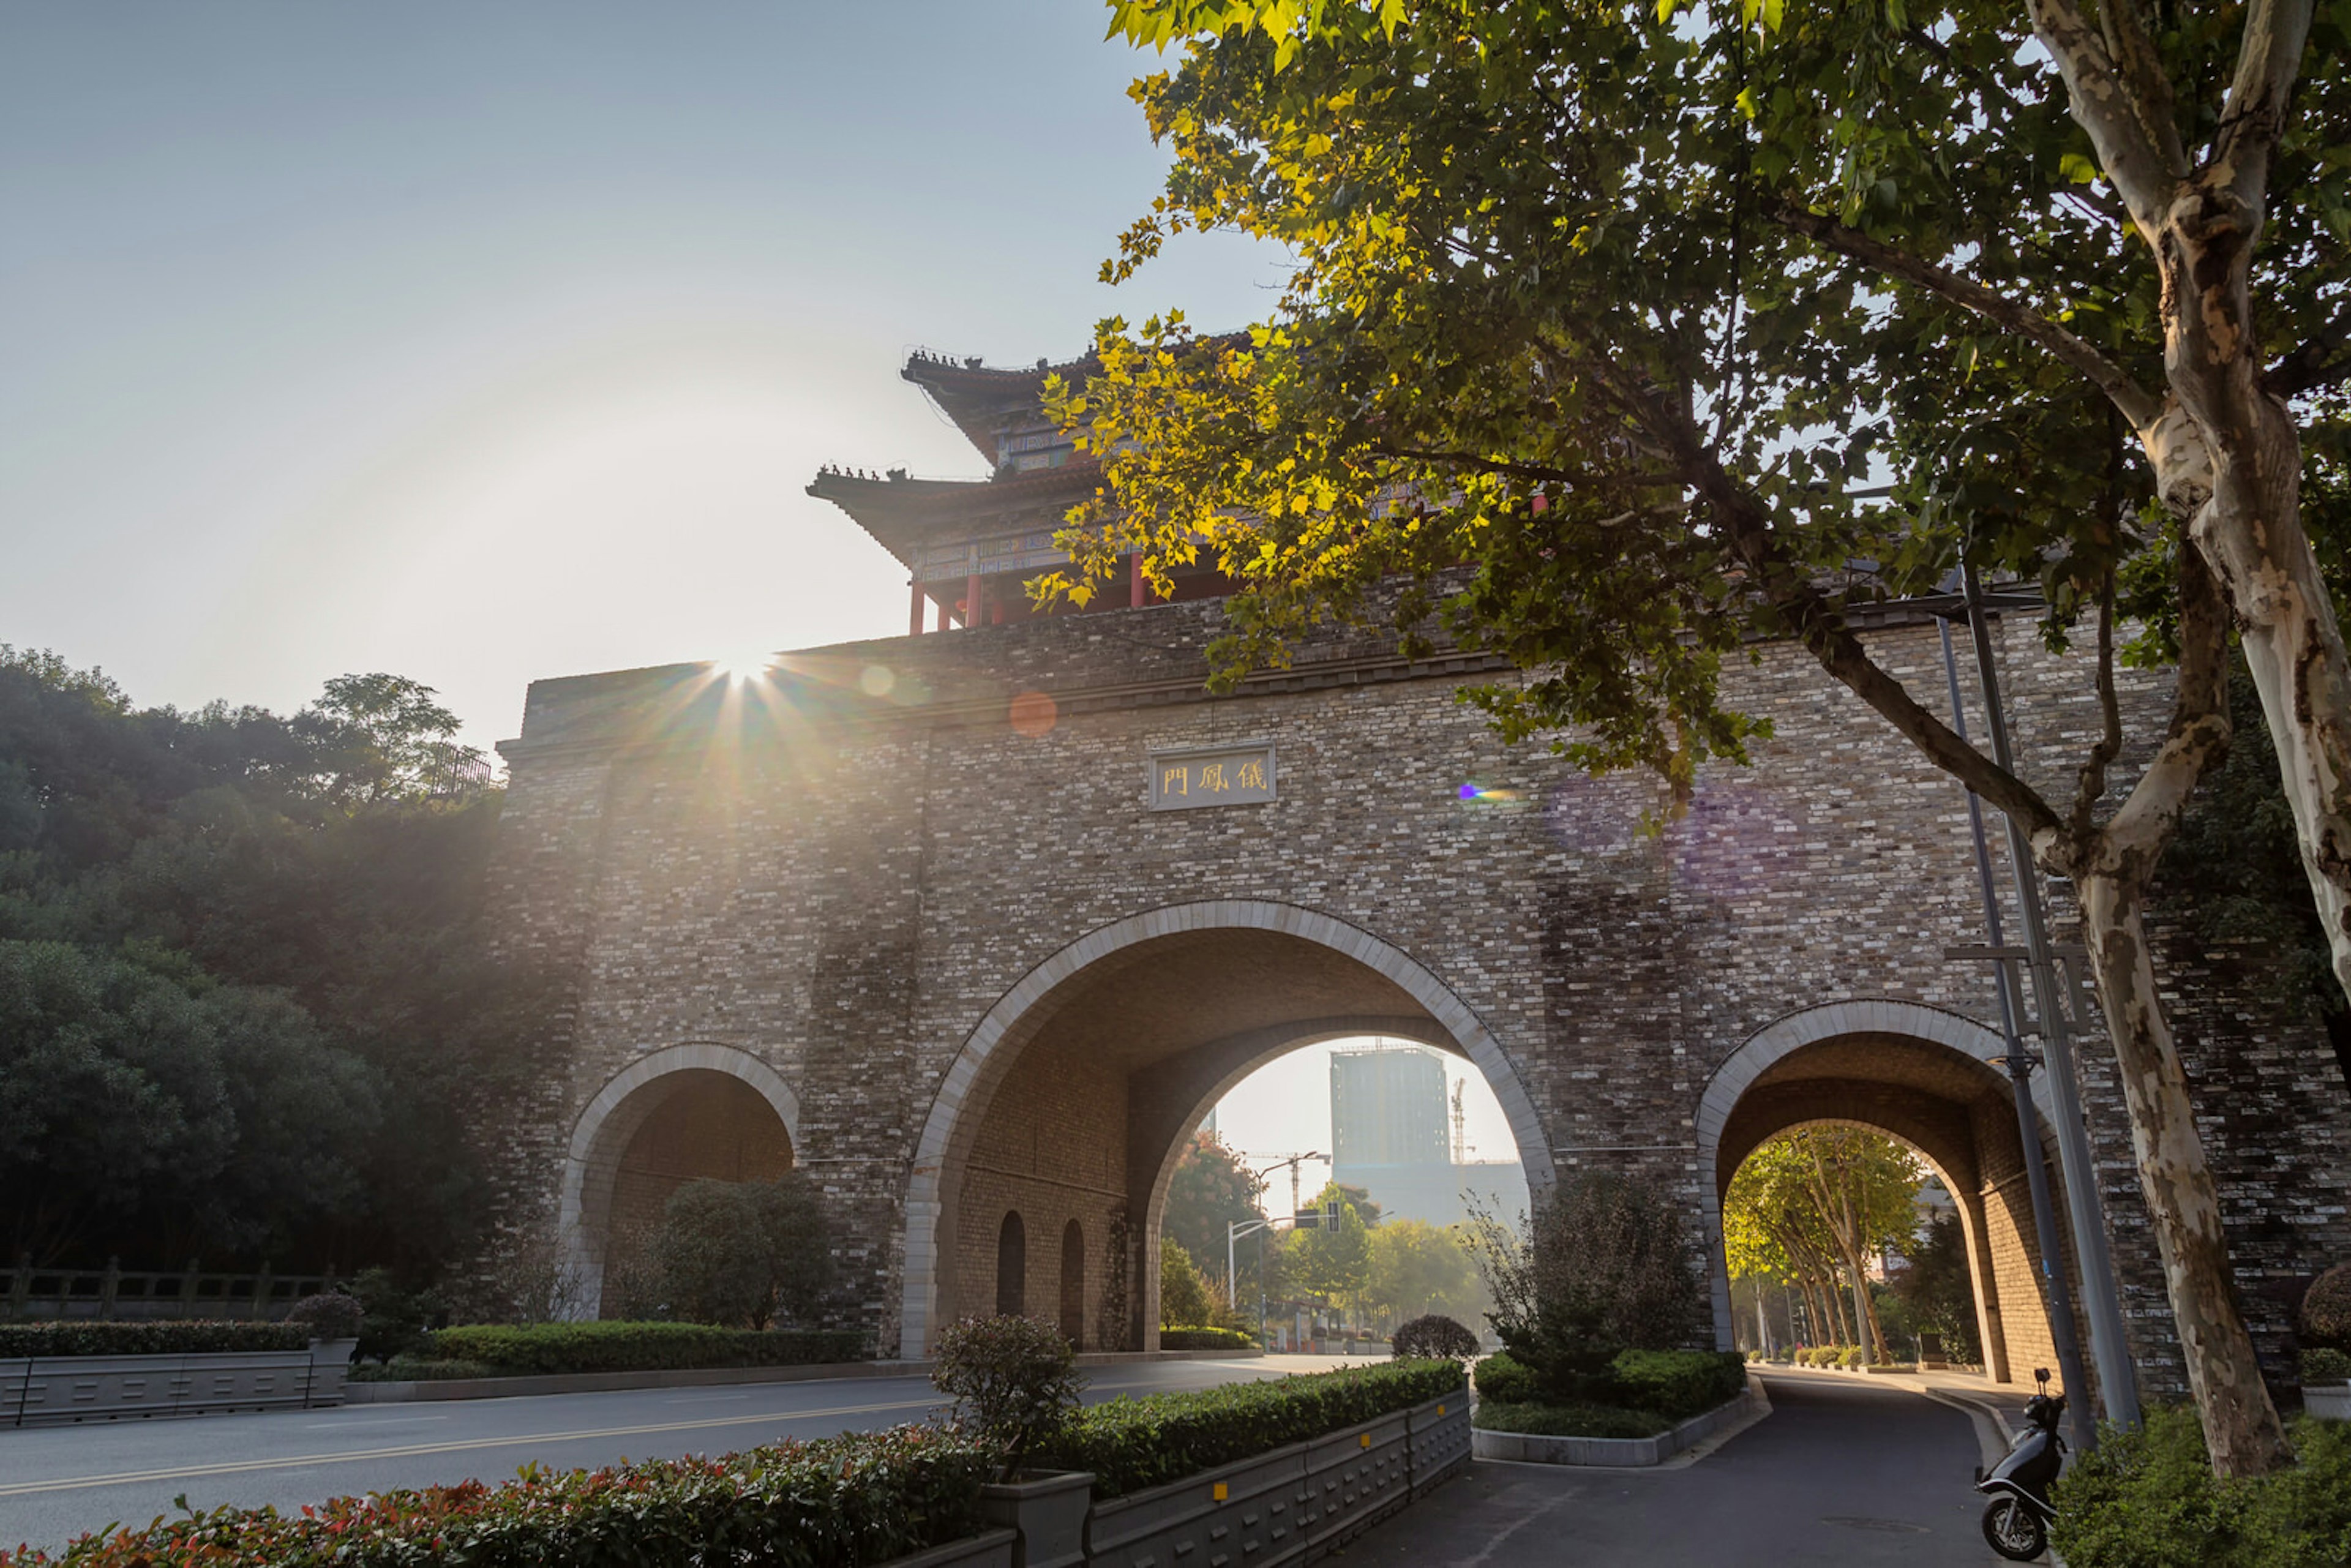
(2111, 872)
(2226, 448)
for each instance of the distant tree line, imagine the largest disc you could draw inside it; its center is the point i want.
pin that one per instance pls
(246, 1008)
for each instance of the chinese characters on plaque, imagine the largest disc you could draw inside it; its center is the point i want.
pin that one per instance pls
(1212, 775)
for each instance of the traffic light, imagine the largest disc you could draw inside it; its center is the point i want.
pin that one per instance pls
(1330, 1214)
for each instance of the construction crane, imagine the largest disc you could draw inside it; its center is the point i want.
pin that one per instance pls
(1460, 1140)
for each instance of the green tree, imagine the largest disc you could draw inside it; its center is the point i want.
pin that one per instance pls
(1332, 1266)
(1628, 309)
(1934, 1281)
(745, 1254)
(1418, 1267)
(1210, 1191)
(1183, 1295)
(1818, 1202)
(230, 853)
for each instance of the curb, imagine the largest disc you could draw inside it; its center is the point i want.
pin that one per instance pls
(356, 1393)
(1618, 1453)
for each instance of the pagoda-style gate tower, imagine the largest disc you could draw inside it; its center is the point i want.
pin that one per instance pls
(976, 927)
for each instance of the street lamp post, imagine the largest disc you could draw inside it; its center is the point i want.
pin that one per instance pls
(1235, 1229)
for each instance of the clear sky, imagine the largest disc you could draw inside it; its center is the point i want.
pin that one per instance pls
(478, 343)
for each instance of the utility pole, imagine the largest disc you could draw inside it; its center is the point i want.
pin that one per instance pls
(1236, 1230)
(2101, 1299)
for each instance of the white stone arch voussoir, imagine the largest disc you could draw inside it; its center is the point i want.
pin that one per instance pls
(1783, 1037)
(613, 1118)
(925, 1199)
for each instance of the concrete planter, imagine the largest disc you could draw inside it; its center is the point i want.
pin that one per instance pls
(1527, 1448)
(1247, 1511)
(59, 1390)
(993, 1549)
(1353, 1479)
(2327, 1401)
(1049, 1513)
(1290, 1505)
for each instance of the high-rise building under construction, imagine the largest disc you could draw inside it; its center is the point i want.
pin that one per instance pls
(1390, 1135)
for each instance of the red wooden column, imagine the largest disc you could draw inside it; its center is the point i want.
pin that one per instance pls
(1134, 581)
(915, 612)
(971, 599)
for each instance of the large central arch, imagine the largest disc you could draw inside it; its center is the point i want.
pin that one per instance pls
(1114, 1047)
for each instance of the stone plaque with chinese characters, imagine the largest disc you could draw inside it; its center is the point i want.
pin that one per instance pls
(1212, 775)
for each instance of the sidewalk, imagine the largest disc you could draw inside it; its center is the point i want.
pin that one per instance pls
(1847, 1471)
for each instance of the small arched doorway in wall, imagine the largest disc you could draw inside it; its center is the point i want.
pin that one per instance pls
(1920, 1076)
(688, 1112)
(1073, 1283)
(1011, 1267)
(1073, 1099)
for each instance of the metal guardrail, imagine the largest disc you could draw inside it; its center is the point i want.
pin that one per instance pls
(143, 1294)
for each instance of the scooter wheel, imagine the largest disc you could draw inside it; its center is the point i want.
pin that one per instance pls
(2014, 1531)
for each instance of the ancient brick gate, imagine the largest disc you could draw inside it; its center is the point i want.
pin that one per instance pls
(975, 927)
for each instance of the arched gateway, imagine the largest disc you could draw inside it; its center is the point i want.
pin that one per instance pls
(981, 923)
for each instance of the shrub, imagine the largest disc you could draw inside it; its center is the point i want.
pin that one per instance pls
(1853, 1356)
(1130, 1444)
(330, 1314)
(2326, 1309)
(859, 1499)
(423, 1369)
(744, 1254)
(1678, 1384)
(1014, 1380)
(1505, 1381)
(1200, 1337)
(1571, 1420)
(2323, 1365)
(179, 1336)
(2147, 1498)
(515, 1350)
(1435, 1337)
(1605, 1267)
(396, 1319)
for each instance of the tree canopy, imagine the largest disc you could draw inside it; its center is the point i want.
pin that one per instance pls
(1620, 336)
(245, 1005)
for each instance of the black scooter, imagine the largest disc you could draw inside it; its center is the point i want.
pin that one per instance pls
(2016, 1522)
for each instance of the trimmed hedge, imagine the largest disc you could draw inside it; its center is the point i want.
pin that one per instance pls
(2147, 1498)
(1569, 1420)
(1204, 1338)
(1678, 1383)
(551, 1348)
(1673, 1385)
(1131, 1444)
(1506, 1381)
(839, 1502)
(175, 1336)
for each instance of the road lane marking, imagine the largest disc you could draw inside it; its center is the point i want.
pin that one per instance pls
(413, 1450)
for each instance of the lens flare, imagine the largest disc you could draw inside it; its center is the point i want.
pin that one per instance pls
(741, 669)
(1034, 713)
(875, 680)
(1485, 795)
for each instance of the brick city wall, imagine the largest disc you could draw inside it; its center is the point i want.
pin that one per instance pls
(842, 873)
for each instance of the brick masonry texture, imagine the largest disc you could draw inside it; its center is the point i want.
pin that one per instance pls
(843, 872)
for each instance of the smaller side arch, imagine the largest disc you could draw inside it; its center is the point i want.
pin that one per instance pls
(1783, 1038)
(610, 1118)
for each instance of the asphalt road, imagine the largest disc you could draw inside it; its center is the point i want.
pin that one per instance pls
(58, 1482)
(1842, 1472)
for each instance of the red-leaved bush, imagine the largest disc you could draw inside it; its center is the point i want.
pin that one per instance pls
(841, 1502)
